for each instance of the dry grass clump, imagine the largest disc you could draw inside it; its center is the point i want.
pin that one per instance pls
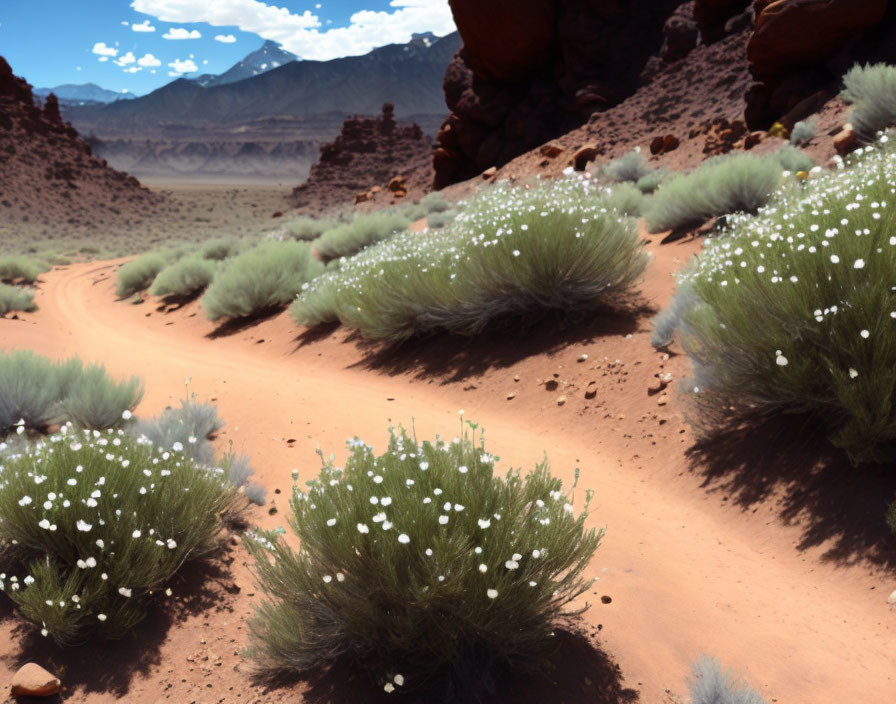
(306, 229)
(185, 277)
(94, 526)
(14, 298)
(36, 392)
(138, 275)
(793, 310)
(20, 268)
(512, 254)
(365, 230)
(261, 279)
(872, 91)
(422, 566)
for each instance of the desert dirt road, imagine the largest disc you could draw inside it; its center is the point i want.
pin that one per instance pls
(778, 594)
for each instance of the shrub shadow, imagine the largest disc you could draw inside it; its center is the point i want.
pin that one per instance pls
(174, 302)
(838, 507)
(455, 358)
(109, 667)
(316, 334)
(237, 325)
(578, 672)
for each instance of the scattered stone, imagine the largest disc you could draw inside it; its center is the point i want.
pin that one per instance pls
(551, 385)
(583, 156)
(489, 172)
(34, 681)
(657, 386)
(272, 510)
(663, 400)
(670, 143)
(753, 139)
(278, 214)
(561, 400)
(361, 198)
(846, 140)
(591, 391)
(397, 184)
(605, 599)
(582, 358)
(516, 377)
(511, 396)
(552, 150)
(656, 145)
(892, 600)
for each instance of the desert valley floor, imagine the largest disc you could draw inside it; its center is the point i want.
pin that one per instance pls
(709, 548)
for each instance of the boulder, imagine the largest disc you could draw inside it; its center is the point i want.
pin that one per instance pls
(583, 156)
(846, 140)
(711, 16)
(34, 681)
(680, 37)
(552, 150)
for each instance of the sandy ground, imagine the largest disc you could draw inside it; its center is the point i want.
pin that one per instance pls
(738, 550)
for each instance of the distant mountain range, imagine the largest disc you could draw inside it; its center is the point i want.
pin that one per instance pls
(267, 58)
(83, 93)
(408, 75)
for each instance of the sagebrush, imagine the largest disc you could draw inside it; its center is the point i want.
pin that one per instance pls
(421, 566)
(138, 275)
(14, 298)
(365, 230)
(872, 91)
(713, 685)
(185, 278)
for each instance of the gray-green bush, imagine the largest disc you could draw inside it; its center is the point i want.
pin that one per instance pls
(219, 249)
(631, 167)
(712, 685)
(421, 565)
(138, 275)
(13, 298)
(793, 159)
(365, 230)
(261, 279)
(794, 311)
(308, 229)
(91, 537)
(186, 277)
(17, 267)
(513, 254)
(802, 133)
(872, 91)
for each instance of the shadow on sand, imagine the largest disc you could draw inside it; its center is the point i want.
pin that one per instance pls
(111, 666)
(578, 672)
(839, 508)
(233, 326)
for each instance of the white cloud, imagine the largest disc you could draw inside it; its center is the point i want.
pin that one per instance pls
(100, 49)
(103, 58)
(78, 68)
(125, 23)
(149, 61)
(181, 33)
(302, 33)
(133, 69)
(179, 67)
(125, 59)
(225, 38)
(144, 26)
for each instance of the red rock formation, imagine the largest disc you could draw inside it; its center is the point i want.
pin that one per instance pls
(370, 152)
(531, 71)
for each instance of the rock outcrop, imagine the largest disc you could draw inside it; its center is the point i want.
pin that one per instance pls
(801, 47)
(370, 152)
(531, 71)
(47, 169)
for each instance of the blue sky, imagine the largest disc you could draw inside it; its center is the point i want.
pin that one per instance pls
(139, 45)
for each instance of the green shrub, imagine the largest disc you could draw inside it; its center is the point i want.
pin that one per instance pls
(652, 181)
(41, 392)
(431, 204)
(630, 167)
(20, 268)
(365, 230)
(219, 249)
(261, 279)
(13, 298)
(437, 221)
(307, 229)
(186, 277)
(421, 565)
(803, 132)
(94, 526)
(712, 685)
(793, 159)
(513, 254)
(872, 90)
(794, 311)
(626, 199)
(719, 186)
(138, 275)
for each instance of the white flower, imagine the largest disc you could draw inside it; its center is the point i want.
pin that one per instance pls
(536, 554)
(29, 580)
(835, 259)
(386, 501)
(126, 414)
(100, 544)
(511, 564)
(492, 593)
(386, 525)
(484, 523)
(865, 333)
(516, 252)
(404, 539)
(483, 568)
(340, 577)
(83, 526)
(327, 579)
(462, 469)
(443, 520)
(399, 680)
(853, 373)
(380, 517)
(171, 544)
(45, 524)
(859, 264)
(389, 687)
(178, 447)
(424, 466)
(781, 360)
(377, 479)
(125, 592)
(331, 522)
(136, 534)
(72, 481)
(24, 501)
(101, 617)
(362, 528)
(458, 508)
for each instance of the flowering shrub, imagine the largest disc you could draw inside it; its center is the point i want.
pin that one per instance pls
(36, 392)
(513, 253)
(721, 186)
(138, 275)
(794, 310)
(260, 279)
(365, 230)
(186, 277)
(94, 525)
(872, 91)
(420, 565)
(13, 298)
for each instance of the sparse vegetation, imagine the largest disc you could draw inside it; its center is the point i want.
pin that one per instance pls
(307, 229)
(138, 275)
(219, 249)
(649, 183)
(365, 230)
(872, 91)
(626, 199)
(802, 133)
(793, 311)
(186, 277)
(19, 268)
(40, 392)
(91, 537)
(712, 685)
(421, 565)
(630, 167)
(793, 159)
(513, 254)
(261, 279)
(13, 298)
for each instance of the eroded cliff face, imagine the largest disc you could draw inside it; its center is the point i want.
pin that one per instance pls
(531, 71)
